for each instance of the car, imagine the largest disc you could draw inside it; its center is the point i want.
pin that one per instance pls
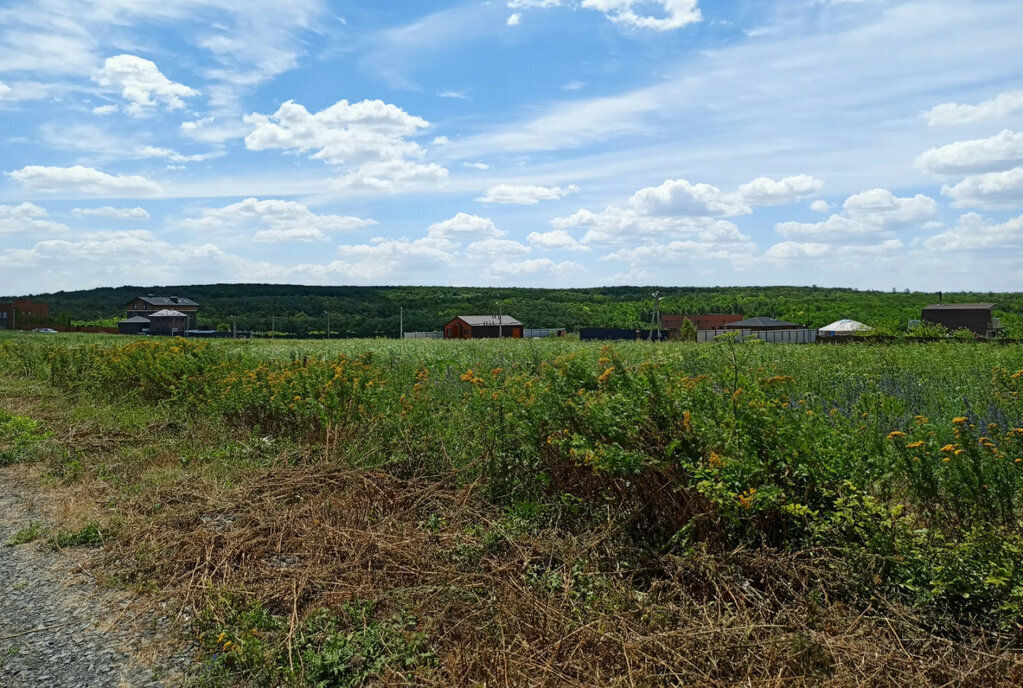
(46, 330)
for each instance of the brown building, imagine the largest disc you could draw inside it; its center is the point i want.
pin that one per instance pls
(762, 325)
(707, 321)
(483, 327)
(22, 312)
(168, 322)
(976, 317)
(146, 306)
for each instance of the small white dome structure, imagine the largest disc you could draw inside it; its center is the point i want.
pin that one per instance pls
(843, 327)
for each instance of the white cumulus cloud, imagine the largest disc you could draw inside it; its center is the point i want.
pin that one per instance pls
(26, 218)
(870, 215)
(999, 152)
(655, 15)
(142, 84)
(883, 207)
(367, 131)
(974, 233)
(114, 213)
(465, 224)
(766, 191)
(391, 176)
(514, 19)
(536, 266)
(80, 180)
(369, 136)
(274, 220)
(948, 114)
(673, 14)
(677, 207)
(678, 197)
(496, 247)
(809, 251)
(556, 239)
(992, 190)
(525, 195)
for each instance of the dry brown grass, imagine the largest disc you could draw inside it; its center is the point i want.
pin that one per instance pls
(307, 537)
(560, 605)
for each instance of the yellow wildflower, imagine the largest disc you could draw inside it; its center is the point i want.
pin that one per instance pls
(948, 448)
(915, 445)
(895, 434)
(959, 420)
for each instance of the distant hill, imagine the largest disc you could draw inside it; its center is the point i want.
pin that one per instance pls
(374, 311)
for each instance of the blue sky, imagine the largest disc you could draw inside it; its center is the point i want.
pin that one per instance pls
(860, 143)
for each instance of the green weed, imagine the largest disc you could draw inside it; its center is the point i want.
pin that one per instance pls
(86, 536)
(33, 531)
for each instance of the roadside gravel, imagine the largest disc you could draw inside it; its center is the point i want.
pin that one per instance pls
(58, 628)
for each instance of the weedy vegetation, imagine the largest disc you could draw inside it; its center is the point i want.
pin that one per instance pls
(363, 512)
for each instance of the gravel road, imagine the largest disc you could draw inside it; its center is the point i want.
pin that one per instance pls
(58, 628)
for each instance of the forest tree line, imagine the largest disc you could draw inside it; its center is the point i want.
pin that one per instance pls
(382, 311)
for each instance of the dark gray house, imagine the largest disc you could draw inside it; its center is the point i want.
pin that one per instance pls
(134, 325)
(976, 317)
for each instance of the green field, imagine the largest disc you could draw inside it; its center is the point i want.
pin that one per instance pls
(548, 512)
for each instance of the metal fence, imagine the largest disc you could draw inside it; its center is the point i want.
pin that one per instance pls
(539, 332)
(772, 336)
(611, 333)
(424, 335)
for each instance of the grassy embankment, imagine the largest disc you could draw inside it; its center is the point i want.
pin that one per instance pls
(534, 512)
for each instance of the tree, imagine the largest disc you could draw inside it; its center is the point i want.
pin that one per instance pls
(223, 327)
(688, 331)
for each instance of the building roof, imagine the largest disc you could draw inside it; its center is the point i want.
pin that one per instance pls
(164, 301)
(488, 320)
(845, 325)
(167, 313)
(137, 319)
(674, 322)
(960, 306)
(760, 322)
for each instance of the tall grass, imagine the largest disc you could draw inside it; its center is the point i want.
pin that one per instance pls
(909, 458)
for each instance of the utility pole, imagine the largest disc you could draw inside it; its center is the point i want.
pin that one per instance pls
(234, 327)
(401, 322)
(273, 325)
(500, 321)
(655, 318)
(328, 324)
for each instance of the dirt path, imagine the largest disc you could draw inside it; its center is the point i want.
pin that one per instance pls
(58, 627)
